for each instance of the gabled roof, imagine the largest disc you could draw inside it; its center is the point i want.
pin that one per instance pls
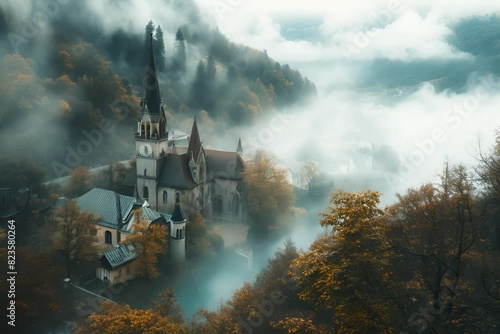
(175, 172)
(151, 84)
(118, 256)
(115, 210)
(152, 215)
(223, 164)
(194, 146)
(112, 208)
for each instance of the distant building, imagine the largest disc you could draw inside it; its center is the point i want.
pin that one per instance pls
(208, 181)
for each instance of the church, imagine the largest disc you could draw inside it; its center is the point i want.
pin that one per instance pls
(168, 172)
(207, 181)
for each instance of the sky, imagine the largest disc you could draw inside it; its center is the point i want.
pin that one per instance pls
(402, 85)
(338, 44)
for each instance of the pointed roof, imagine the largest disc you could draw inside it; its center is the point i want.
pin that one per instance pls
(151, 84)
(177, 214)
(194, 146)
(239, 150)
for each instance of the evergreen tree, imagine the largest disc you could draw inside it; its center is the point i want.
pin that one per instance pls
(150, 28)
(179, 60)
(159, 49)
(199, 88)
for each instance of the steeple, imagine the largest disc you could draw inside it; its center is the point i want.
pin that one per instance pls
(150, 82)
(239, 150)
(177, 214)
(194, 146)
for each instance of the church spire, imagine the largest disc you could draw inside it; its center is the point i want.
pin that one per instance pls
(194, 146)
(239, 150)
(150, 82)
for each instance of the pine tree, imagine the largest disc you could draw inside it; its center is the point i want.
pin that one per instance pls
(159, 49)
(179, 59)
(199, 87)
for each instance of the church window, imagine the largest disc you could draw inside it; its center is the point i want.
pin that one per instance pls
(145, 192)
(108, 238)
(165, 196)
(118, 237)
(178, 234)
(145, 170)
(177, 197)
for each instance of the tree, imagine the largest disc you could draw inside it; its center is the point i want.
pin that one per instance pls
(149, 30)
(270, 195)
(159, 49)
(118, 318)
(149, 241)
(199, 87)
(23, 174)
(201, 243)
(38, 290)
(179, 59)
(437, 228)
(79, 182)
(76, 234)
(169, 307)
(346, 276)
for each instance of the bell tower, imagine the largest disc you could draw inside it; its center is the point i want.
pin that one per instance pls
(151, 138)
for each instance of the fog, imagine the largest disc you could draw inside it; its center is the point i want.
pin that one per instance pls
(399, 93)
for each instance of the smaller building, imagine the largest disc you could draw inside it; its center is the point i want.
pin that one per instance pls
(116, 218)
(117, 265)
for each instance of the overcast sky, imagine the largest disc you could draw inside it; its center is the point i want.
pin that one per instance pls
(338, 43)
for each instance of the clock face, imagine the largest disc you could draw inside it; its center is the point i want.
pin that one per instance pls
(146, 150)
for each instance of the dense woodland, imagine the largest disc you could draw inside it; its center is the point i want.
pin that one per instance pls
(79, 86)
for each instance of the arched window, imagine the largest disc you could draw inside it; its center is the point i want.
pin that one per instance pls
(177, 197)
(144, 171)
(108, 237)
(145, 192)
(165, 196)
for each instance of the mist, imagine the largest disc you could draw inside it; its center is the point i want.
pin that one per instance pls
(397, 95)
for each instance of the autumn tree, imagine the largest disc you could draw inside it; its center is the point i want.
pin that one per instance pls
(270, 195)
(437, 228)
(169, 307)
(118, 318)
(149, 241)
(346, 275)
(79, 181)
(76, 234)
(201, 243)
(38, 290)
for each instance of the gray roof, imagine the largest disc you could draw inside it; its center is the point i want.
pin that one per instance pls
(112, 208)
(115, 210)
(118, 256)
(175, 172)
(223, 164)
(150, 214)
